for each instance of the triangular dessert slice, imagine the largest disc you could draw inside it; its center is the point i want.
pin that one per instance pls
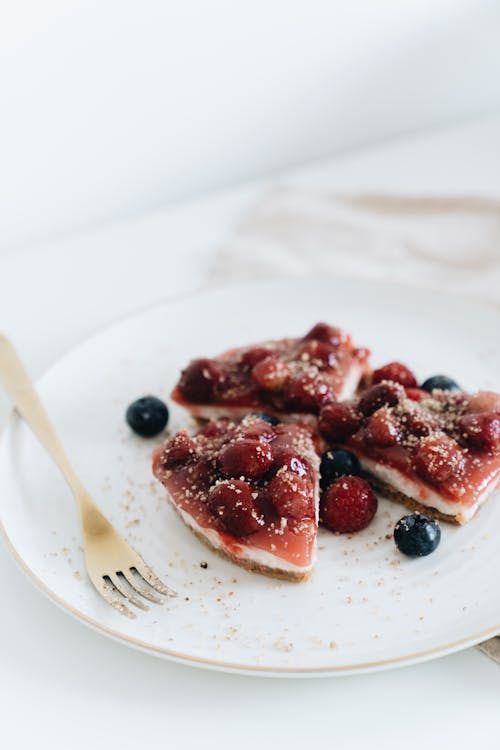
(249, 490)
(437, 453)
(290, 378)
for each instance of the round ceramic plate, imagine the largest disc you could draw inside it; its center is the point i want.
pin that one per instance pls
(366, 607)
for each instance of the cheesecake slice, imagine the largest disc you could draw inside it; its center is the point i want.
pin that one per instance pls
(249, 490)
(437, 453)
(290, 378)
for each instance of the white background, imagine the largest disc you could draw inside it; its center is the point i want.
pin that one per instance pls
(110, 108)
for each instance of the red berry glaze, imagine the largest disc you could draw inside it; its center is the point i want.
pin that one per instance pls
(245, 458)
(252, 356)
(381, 394)
(308, 392)
(382, 429)
(200, 380)
(396, 372)
(437, 458)
(179, 450)
(348, 505)
(416, 394)
(232, 502)
(328, 334)
(338, 421)
(271, 374)
(481, 431)
(292, 495)
(318, 353)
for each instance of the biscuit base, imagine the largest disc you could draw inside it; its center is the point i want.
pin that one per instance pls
(255, 567)
(399, 497)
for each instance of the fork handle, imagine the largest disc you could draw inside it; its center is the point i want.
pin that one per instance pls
(18, 385)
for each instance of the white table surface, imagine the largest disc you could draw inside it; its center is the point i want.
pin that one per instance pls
(63, 686)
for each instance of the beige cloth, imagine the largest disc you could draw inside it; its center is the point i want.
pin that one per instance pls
(451, 242)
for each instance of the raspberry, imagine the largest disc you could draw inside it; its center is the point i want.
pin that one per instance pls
(200, 380)
(291, 494)
(396, 372)
(245, 458)
(481, 431)
(381, 394)
(382, 429)
(348, 504)
(338, 421)
(437, 458)
(233, 503)
(179, 450)
(271, 374)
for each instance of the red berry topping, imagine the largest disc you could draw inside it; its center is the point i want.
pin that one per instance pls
(291, 494)
(308, 392)
(416, 394)
(245, 458)
(338, 421)
(285, 458)
(217, 428)
(233, 503)
(252, 356)
(318, 353)
(348, 504)
(200, 380)
(437, 458)
(329, 334)
(271, 374)
(396, 372)
(257, 430)
(484, 401)
(381, 394)
(179, 450)
(419, 422)
(481, 431)
(382, 429)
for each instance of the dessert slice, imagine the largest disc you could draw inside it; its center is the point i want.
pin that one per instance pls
(290, 378)
(438, 452)
(249, 490)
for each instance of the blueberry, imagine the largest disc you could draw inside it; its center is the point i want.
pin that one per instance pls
(147, 416)
(417, 535)
(269, 418)
(443, 382)
(337, 463)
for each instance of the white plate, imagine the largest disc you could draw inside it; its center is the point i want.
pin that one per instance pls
(366, 606)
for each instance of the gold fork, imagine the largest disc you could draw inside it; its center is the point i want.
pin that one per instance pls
(118, 573)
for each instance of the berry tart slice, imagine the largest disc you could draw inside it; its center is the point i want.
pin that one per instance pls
(249, 490)
(437, 452)
(289, 378)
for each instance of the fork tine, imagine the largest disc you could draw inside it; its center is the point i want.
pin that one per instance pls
(142, 569)
(124, 591)
(143, 589)
(106, 591)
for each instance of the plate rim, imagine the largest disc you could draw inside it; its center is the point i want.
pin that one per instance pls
(217, 664)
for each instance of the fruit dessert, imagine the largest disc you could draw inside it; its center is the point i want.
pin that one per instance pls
(291, 378)
(249, 489)
(435, 449)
